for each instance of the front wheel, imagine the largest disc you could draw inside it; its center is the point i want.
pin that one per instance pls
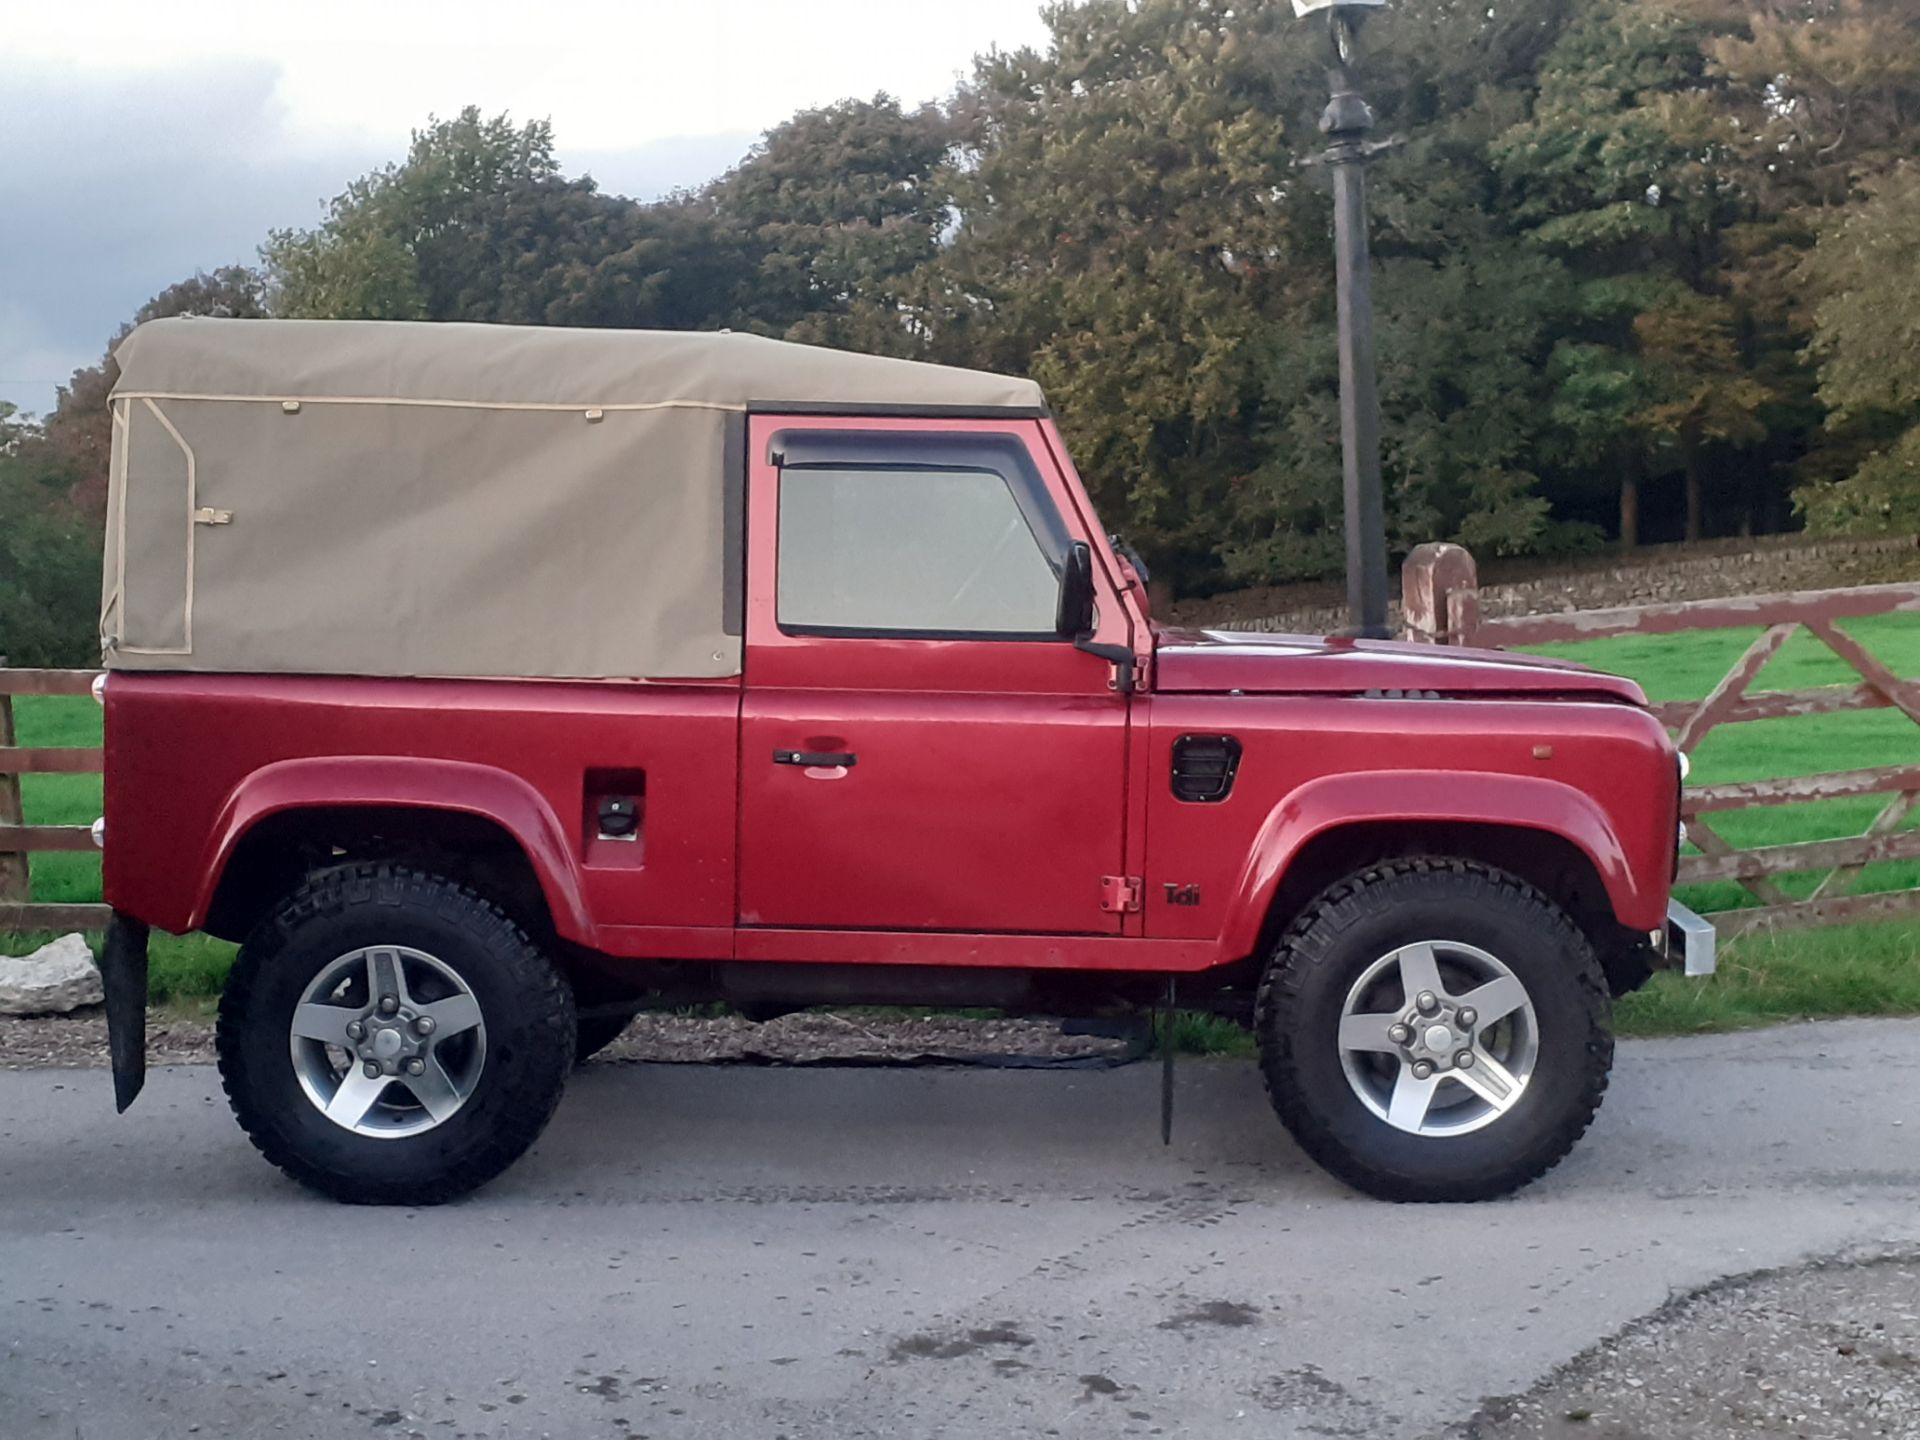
(1435, 1029)
(389, 1037)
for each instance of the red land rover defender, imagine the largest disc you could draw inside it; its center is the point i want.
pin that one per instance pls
(489, 684)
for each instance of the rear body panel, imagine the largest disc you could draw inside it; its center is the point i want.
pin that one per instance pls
(193, 762)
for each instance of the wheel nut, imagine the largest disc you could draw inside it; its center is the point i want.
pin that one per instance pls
(1400, 1034)
(1422, 1070)
(1426, 1002)
(1464, 1060)
(1468, 1017)
(389, 1004)
(371, 1069)
(416, 1066)
(424, 1025)
(356, 1031)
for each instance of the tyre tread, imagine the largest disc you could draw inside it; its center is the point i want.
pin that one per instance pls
(547, 993)
(1304, 944)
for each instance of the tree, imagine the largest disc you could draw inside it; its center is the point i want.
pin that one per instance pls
(1702, 392)
(1126, 210)
(1820, 94)
(1464, 395)
(49, 554)
(478, 224)
(830, 214)
(1864, 275)
(393, 243)
(1624, 169)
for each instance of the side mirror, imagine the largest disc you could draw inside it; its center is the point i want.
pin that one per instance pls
(1073, 616)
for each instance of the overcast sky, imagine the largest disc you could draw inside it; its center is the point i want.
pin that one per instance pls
(143, 141)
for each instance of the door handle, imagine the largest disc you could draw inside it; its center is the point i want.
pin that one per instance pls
(812, 759)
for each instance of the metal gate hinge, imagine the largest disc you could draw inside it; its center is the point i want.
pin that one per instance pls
(1120, 894)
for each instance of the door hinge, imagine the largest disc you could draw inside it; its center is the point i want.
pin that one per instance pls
(1120, 894)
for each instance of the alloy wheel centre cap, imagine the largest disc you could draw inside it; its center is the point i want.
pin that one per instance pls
(1439, 1038)
(387, 1042)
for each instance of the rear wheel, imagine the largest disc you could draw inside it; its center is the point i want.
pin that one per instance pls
(389, 1037)
(1435, 1029)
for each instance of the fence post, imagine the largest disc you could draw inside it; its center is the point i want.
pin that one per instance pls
(1440, 594)
(13, 866)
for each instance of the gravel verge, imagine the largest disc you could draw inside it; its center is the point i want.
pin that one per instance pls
(809, 1038)
(1830, 1350)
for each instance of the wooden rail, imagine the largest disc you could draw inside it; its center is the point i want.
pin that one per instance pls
(1442, 605)
(19, 839)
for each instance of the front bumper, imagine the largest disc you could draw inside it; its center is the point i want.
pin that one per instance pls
(1692, 938)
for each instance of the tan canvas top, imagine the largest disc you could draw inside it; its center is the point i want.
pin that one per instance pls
(525, 365)
(395, 498)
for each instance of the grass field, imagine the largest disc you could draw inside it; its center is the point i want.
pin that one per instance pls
(1839, 970)
(1851, 970)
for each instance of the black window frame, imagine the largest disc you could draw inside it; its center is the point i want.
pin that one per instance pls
(1003, 455)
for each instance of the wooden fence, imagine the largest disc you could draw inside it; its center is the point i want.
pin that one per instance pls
(1441, 600)
(17, 838)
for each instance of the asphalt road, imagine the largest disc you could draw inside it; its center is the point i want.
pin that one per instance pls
(845, 1253)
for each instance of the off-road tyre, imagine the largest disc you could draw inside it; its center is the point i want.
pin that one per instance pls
(526, 1003)
(1370, 914)
(593, 1033)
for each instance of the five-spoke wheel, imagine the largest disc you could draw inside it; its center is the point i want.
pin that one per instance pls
(1452, 1049)
(388, 1041)
(391, 1037)
(1434, 1029)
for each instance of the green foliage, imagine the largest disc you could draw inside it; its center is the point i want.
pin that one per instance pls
(831, 214)
(1127, 214)
(1881, 497)
(1865, 276)
(1465, 405)
(478, 224)
(49, 554)
(1865, 272)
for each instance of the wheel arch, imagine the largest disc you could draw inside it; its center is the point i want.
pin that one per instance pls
(1545, 832)
(476, 824)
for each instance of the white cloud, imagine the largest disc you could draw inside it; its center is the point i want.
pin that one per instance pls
(611, 73)
(146, 141)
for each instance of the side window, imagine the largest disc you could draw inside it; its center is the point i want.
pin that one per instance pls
(873, 545)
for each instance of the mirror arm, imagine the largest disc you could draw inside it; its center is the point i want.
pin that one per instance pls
(1118, 656)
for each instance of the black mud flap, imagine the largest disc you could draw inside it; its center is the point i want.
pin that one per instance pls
(123, 974)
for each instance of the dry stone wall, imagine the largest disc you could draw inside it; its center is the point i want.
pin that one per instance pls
(1712, 570)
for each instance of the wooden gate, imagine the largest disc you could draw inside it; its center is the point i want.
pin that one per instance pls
(1441, 600)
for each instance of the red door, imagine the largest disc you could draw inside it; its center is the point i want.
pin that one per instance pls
(919, 750)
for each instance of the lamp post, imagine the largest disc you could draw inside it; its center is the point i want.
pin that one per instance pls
(1346, 123)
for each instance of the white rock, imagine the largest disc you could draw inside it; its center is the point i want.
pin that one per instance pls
(53, 979)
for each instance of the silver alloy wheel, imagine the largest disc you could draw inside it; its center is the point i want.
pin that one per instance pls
(1438, 1038)
(388, 1041)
